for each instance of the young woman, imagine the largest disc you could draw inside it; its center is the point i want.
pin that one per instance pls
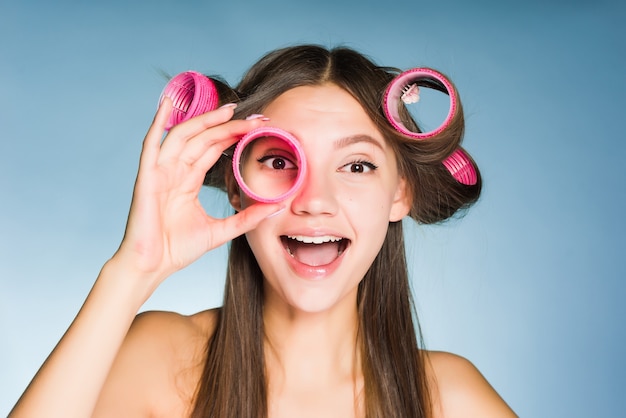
(317, 317)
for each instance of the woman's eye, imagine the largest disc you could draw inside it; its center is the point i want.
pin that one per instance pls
(276, 162)
(359, 167)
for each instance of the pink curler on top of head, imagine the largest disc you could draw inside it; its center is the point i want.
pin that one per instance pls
(461, 168)
(282, 135)
(405, 88)
(192, 94)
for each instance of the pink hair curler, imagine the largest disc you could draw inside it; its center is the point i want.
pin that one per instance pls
(461, 168)
(404, 88)
(192, 94)
(261, 183)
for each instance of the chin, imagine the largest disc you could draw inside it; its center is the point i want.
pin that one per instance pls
(317, 297)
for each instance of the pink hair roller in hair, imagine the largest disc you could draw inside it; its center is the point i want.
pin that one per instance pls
(461, 168)
(404, 88)
(265, 184)
(192, 94)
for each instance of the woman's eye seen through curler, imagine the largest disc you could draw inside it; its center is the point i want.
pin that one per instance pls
(277, 162)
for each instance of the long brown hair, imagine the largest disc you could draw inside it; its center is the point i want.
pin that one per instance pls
(233, 382)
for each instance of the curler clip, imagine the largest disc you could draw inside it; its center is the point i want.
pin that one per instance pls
(192, 94)
(410, 94)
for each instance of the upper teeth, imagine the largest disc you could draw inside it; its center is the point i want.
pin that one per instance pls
(314, 240)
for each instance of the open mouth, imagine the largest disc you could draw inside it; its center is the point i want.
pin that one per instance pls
(314, 251)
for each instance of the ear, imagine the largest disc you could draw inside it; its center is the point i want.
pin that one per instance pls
(401, 202)
(232, 189)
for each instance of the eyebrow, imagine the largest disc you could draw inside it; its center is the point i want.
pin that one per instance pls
(354, 139)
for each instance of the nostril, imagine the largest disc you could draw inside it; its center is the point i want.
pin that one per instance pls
(314, 200)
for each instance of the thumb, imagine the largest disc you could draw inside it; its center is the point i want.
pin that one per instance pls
(246, 220)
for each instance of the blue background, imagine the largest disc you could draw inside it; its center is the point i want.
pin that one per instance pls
(528, 285)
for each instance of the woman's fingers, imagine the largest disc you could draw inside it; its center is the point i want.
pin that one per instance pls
(244, 221)
(204, 149)
(180, 134)
(167, 224)
(197, 124)
(152, 141)
(206, 136)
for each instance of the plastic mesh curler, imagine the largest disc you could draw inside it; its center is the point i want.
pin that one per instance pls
(192, 94)
(404, 89)
(269, 164)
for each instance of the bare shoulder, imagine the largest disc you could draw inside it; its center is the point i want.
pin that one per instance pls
(158, 365)
(460, 390)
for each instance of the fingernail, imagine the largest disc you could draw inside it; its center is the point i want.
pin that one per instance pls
(258, 116)
(279, 211)
(227, 105)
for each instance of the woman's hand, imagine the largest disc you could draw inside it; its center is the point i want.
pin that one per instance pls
(167, 227)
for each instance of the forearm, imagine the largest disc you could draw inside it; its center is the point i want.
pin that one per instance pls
(69, 382)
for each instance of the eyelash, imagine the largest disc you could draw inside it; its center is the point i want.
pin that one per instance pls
(370, 165)
(265, 158)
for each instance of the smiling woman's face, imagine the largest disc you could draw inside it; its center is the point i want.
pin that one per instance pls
(316, 252)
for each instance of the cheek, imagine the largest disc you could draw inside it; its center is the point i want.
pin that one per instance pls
(369, 216)
(257, 245)
(372, 200)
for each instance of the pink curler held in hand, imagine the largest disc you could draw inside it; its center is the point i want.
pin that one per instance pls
(192, 94)
(269, 164)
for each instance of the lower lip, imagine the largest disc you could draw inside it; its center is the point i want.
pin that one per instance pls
(313, 272)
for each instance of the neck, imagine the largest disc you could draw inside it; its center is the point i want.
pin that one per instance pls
(304, 348)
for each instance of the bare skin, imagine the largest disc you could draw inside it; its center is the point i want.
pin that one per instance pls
(111, 362)
(161, 360)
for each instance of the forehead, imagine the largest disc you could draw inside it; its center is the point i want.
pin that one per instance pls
(316, 107)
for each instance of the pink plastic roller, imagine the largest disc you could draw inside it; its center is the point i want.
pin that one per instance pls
(405, 89)
(269, 164)
(192, 94)
(461, 168)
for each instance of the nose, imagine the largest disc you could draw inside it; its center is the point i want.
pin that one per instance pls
(316, 195)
